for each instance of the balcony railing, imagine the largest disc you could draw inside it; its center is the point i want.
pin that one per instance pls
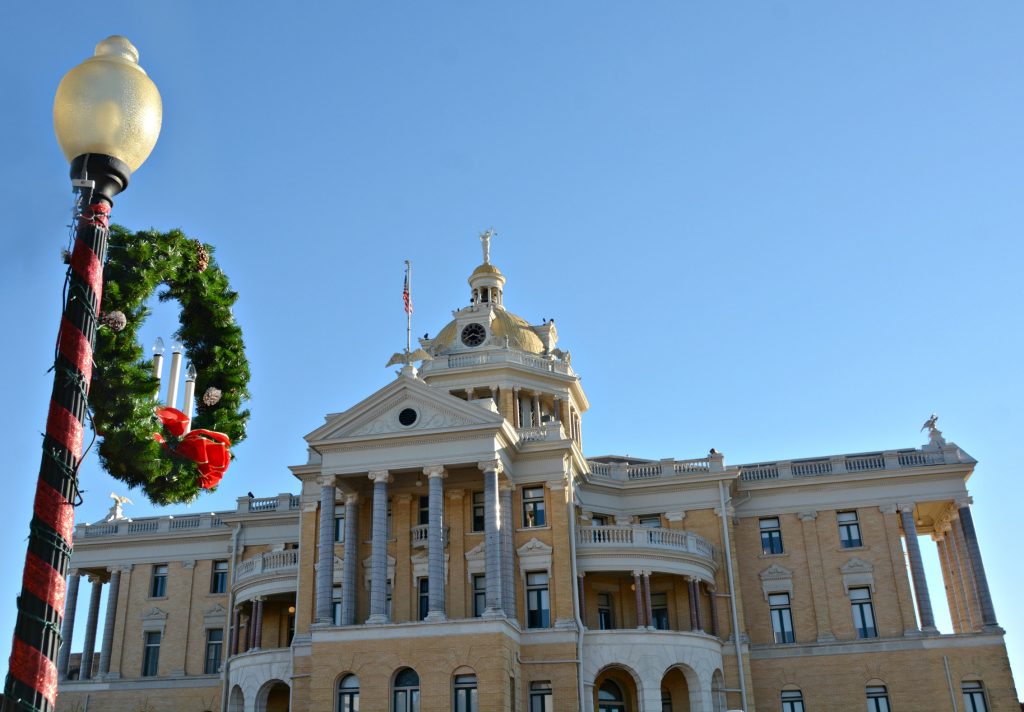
(497, 357)
(860, 462)
(150, 525)
(644, 538)
(661, 468)
(268, 563)
(420, 536)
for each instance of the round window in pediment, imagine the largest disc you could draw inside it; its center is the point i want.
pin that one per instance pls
(407, 417)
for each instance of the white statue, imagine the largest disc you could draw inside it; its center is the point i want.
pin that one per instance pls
(485, 239)
(116, 513)
(929, 424)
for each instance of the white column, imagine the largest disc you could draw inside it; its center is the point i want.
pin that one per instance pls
(492, 539)
(90, 628)
(508, 591)
(67, 628)
(349, 569)
(325, 555)
(924, 601)
(379, 549)
(108, 623)
(435, 543)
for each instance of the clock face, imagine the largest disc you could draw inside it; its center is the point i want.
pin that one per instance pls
(473, 334)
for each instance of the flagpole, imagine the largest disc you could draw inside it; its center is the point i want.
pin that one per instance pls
(408, 307)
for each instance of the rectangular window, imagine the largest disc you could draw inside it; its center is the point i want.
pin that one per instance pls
(863, 613)
(782, 617)
(771, 536)
(424, 510)
(878, 699)
(974, 696)
(158, 584)
(424, 597)
(659, 611)
(479, 594)
(465, 694)
(219, 577)
(478, 511)
(339, 528)
(214, 646)
(533, 507)
(336, 605)
(605, 613)
(651, 521)
(540, 697)
(151, 654)
(387, 601)
(538, 606)
(792, 701)
(849, 530)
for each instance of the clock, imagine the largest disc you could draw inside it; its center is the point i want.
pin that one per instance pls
(473, 334)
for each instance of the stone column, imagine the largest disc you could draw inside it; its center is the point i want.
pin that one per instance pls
(535, 418)
(379, 549)
(890, 527)
(435, 544)
(108, 623)
(582, 595)
(236, 622)
(257, 628)
(350, 569)
(648, 610)
(924, 601)
(558, 409)
(325, 553)
(471, 394)
(691, 589)
(941, 539)
(988, 611)
(508, 591)
(90, 628)
(964, 574)
(517, 406)
(638, 590)
(492, 539)
(816, 572)
(713, 599)
(250, 630)
(67, 628)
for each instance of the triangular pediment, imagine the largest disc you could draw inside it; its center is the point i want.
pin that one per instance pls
(407, 406)
(476, 553)
(776, 572)
(856, 565)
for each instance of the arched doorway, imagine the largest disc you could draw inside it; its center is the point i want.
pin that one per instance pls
(675, 692)
(273, 697)
(236, 701)
(615, 691)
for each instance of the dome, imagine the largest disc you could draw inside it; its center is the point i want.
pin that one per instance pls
(486, 268)
(520, 335)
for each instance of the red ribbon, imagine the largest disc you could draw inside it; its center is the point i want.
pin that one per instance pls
(208, 449)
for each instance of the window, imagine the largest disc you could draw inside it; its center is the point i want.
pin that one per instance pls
(538, 608)
(610, 698)
(478, 511)
(339, 528)
(336, 605)
(849, 530)
(599, 520)
(605, 614)
(863, 613)
(424, 510)
(974, 696)
(151, 653)
(771, 536)
(465, 694)
(479, 594)
(666, 700)
(659, 610)
(878, 698)
(389, 519)
(651, 521)
(540, 697)
(405, 692)
(348, 694)
(387, 599)
(533, 507)
(792, 701)
(424, 597)
(219, 577)
(214, 647)
(158, 585)
(782, 617)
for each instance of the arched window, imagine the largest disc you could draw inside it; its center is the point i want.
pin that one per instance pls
(718, 692)
(464, 699)
(974, 696)
(348, 694)
(878, 698)
(405, 691)
(610, 698)
(792, 701)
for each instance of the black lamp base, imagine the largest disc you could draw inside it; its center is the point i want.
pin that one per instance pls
(110, 175)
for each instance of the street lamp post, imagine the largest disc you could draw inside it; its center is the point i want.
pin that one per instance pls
(107, 116)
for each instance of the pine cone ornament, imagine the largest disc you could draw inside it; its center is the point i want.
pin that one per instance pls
(202, 256)
(115, 320)
(65, 255)
(211, 397)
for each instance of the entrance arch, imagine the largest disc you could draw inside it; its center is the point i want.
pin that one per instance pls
(274, 696)
(236, 702)
(615, 690)
(675, 690)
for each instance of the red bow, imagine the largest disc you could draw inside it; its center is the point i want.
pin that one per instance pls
(208, 449)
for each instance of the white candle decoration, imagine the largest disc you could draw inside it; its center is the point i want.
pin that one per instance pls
(158, 364)
(175, 374)
(190, 394)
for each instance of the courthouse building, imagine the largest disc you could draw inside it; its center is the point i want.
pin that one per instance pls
(450, 548)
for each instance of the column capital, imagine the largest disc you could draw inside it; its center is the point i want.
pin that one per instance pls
(808, 516)
(94, 579)
(352, 498)
(555, 485)
(906, 506)
(456, 494)
(963, 501)
(507, 486)
(380, 476)
(327, 480)
(887, 508)
(490, 465)
(432, 471)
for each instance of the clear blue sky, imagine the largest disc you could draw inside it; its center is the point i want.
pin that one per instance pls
(780, 229)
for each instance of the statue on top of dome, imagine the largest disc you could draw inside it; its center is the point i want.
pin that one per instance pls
(485, 240)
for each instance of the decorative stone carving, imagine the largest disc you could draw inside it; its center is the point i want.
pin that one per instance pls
(856, 573)
(776, 579)
(534, 555)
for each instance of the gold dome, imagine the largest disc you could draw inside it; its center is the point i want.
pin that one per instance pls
(486, 268)
(520, 335)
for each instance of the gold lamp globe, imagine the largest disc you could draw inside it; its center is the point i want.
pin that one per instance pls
(107, 105)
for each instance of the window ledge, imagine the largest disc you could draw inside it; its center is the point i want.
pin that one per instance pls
(773, 556)
(546, 527)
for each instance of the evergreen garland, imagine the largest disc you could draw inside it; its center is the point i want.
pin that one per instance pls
(123, 388)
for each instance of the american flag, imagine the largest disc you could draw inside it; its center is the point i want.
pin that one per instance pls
(406, 296)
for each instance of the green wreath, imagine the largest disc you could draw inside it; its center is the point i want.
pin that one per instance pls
(123, 388)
